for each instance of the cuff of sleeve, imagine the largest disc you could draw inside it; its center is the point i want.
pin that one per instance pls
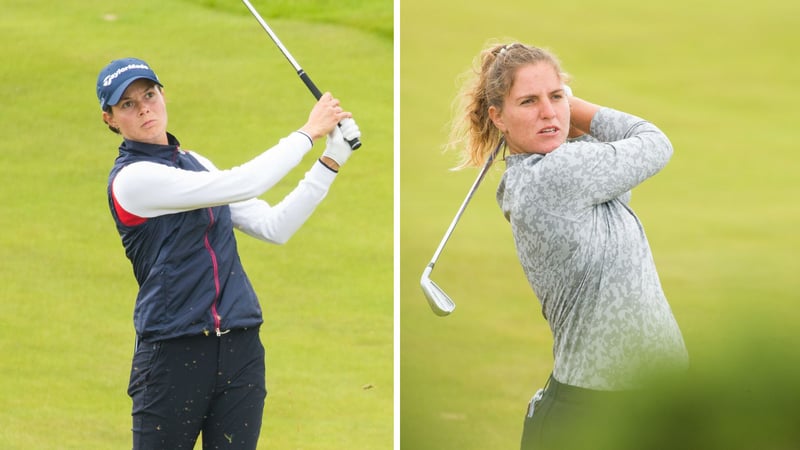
(327, 166)
(321, 173)
(303, 133)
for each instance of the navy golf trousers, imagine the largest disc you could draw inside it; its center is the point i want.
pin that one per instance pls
(565, 417)
(214, 385)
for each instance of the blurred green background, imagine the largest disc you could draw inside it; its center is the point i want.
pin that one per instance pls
(720, 79)
(66, 332)
(717, 77)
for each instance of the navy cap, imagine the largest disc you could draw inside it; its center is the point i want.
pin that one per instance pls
(117, 76)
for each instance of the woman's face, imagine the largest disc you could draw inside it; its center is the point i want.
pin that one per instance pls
(534, 117)
(141, 113)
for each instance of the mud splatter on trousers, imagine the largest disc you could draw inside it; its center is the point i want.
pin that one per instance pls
(184, 386)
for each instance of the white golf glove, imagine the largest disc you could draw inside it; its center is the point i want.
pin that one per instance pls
(567, 90)
(335, 147)
(349, 129)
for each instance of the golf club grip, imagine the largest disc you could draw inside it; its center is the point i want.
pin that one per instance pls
(309, 84)
(354, 143)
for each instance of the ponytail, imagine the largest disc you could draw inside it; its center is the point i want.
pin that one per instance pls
(488, 83)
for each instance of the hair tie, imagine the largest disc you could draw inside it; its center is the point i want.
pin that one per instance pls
(500, 53)
(506, 48)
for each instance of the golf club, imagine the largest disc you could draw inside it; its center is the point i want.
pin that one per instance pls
(440, 302)
(354, 143)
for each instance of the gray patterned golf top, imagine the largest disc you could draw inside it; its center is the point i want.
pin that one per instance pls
(586, 255)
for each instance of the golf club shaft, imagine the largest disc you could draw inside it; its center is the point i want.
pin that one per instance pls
(464, 204)
(354, 143)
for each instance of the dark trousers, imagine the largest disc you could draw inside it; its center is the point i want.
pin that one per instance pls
(212, 384)
(569, 417)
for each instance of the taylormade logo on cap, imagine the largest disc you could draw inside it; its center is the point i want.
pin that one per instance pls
(117, 76)
(107, 80)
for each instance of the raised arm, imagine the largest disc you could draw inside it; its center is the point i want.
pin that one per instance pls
(147, 189)
(630, 150)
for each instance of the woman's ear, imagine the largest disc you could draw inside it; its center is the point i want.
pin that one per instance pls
(108, 118)
(497, 118)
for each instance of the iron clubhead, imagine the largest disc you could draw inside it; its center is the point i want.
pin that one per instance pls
(440, 303)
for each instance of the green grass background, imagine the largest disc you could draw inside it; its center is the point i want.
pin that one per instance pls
(66, 333)
(722, 219)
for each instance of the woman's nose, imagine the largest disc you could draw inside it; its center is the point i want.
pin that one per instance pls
(547, 110)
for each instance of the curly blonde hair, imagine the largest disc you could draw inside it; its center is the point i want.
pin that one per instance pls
(488, 83)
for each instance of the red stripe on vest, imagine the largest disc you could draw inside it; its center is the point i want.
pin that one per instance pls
(127, 219)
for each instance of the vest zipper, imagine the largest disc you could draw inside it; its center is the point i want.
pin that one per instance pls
(215, 266)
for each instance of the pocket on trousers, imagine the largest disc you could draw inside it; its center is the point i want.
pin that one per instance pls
(143, 360)
(534, 419)
(535, 400)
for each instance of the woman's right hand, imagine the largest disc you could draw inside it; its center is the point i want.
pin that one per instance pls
(324, 117)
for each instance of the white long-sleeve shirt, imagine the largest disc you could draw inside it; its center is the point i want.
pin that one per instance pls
(148, 189)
